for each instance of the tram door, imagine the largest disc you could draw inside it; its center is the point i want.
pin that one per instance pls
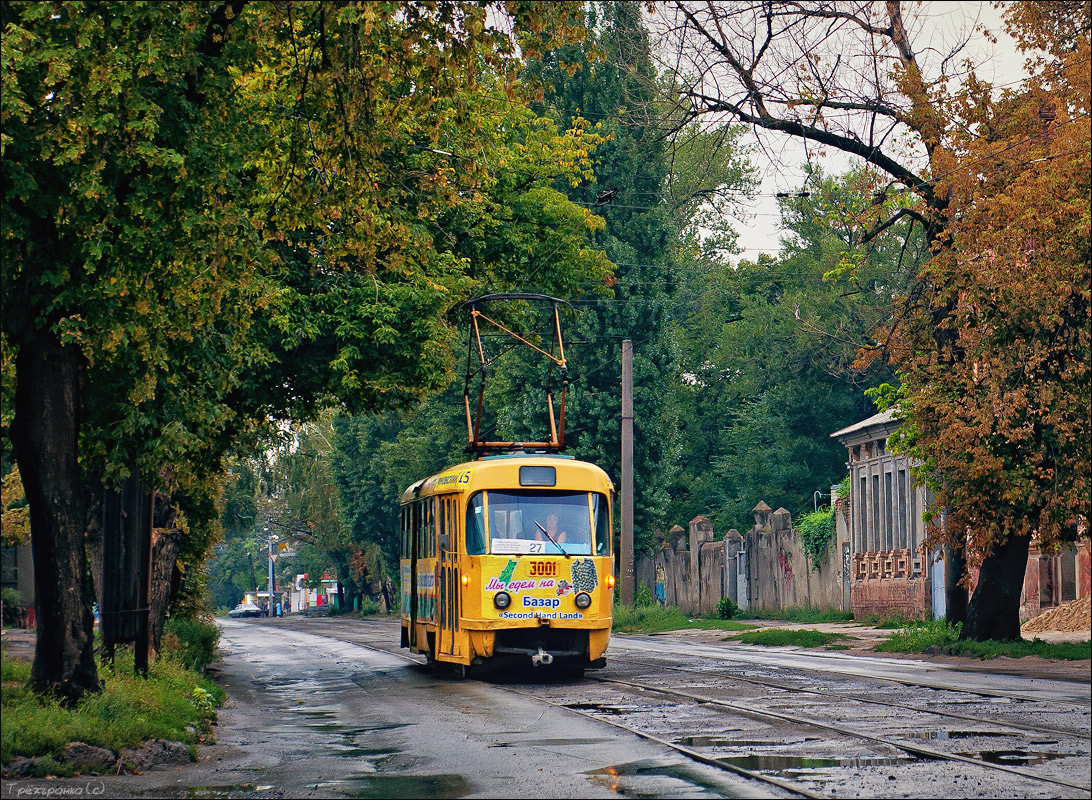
(448, 578)
(412, 533)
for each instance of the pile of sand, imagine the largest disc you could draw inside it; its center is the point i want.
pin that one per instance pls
(1075, 615)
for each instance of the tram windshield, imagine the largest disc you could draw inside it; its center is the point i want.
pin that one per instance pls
(546, 523)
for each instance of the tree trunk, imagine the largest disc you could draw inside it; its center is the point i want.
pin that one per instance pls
(994, 610)
(388, 595)
(955, 592)
(166, 541)
(45, 433)
(165, 544)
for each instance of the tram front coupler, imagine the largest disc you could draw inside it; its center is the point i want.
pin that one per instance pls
(542, 657)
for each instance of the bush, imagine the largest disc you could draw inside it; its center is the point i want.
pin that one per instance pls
(643, 598)
(10, 596)
(173, 703)
(192, 642)
(816, 532)
(727, 608)
(370, 607)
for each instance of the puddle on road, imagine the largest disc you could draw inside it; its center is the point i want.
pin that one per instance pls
(600, 707)
(710, 741)
(944, 735)
(548, 742)
(398, 787)
(352, 730)
(232, 790)
(646, 780)
(346, 751)
(1015, 758)
(795, 765)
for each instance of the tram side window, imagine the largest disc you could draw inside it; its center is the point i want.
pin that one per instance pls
(428, 528)
(417, 530)
(433, 521)
(422, 536)
(441, 518)
(601, 515)
(475, 525)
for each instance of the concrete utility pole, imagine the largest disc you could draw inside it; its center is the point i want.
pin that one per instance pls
(269, 536)
(625, 557)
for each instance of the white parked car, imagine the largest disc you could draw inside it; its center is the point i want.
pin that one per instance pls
(245, 610)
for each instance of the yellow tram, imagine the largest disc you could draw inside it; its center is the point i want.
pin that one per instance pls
(507, 559)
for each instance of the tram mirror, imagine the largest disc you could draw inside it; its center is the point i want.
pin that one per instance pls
(444, 541)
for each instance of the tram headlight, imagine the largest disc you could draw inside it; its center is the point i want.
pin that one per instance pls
(502, 600)
(583, 600)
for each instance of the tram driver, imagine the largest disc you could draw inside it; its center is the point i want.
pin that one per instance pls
(551, 528)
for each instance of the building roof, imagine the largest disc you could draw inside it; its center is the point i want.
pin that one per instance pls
(882, 418)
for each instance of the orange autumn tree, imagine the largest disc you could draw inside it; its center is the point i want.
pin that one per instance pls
(991, 337)
(994, 353)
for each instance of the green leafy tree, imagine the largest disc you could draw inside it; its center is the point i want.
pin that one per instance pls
(220, 215)
(768, 349)
(377, 457)
(611, 79)
(310, 500)
(231, 567)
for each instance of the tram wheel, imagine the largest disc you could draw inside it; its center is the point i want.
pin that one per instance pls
(460, 671)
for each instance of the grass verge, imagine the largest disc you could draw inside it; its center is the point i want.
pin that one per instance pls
(174, 703)
(781, 637)
(657, 619)
(936, 636)
(804, 614)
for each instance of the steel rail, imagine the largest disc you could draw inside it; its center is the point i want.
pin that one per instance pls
(694, 755)
(885, 703)
(685, 751)
(914, 750)
(925, 684)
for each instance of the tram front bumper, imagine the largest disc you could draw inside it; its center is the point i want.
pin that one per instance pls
(543, 635)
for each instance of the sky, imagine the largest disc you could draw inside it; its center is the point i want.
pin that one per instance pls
(778, 159)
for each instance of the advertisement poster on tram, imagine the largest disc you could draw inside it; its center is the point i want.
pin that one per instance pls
(543, 587)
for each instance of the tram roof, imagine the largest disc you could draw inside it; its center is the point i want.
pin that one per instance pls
(502, 471)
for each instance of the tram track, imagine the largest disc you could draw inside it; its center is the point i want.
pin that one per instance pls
(689, 753)
(825, 693)
(830, 732)
(796, 719)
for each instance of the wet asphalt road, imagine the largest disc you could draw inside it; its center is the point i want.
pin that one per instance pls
(311, 716)
(314, 712)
